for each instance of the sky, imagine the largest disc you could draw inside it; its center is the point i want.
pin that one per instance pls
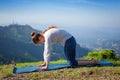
(68, 14)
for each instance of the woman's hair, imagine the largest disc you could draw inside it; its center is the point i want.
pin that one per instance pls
(35, 37)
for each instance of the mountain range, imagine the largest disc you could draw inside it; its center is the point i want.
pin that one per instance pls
(101, 37)
(16, 45)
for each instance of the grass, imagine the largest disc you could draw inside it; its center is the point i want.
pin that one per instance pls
(36, 63)
(83, 73)
(6, 70)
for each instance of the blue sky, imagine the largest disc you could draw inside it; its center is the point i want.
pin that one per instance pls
(65, 13)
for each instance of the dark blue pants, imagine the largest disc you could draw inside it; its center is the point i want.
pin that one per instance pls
(70, 51)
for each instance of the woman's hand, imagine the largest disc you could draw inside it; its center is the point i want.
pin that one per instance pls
(42, 68)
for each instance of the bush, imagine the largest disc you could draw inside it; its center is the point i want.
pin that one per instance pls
(101, 55)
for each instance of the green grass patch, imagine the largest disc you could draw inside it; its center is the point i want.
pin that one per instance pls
(6, 70)
(82, 73)
(39, 62)
(27, 64)
(58, 61)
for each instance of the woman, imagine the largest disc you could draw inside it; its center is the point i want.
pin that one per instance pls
(54, 34)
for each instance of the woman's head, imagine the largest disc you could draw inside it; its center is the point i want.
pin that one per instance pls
(37, 38)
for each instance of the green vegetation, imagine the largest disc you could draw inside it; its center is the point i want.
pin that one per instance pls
(36, 63)
(82, 73)
(6, 70)
(101, 55)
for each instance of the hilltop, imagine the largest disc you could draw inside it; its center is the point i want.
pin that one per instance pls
(17, 45)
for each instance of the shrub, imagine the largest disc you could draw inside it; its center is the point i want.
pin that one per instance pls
(101, 55)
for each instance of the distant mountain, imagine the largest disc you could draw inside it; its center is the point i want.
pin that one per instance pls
(89, 36)
(16, 45)
(108, 44)
(104, 37)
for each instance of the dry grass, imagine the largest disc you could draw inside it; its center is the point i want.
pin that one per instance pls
(83, 73)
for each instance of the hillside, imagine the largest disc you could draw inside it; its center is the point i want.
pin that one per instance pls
(17, 45)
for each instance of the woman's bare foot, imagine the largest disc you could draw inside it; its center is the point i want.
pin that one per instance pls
(94, 62)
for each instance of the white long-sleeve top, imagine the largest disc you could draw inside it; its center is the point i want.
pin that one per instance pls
(51, 36)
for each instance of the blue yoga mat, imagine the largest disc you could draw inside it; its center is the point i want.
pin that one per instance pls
(29, 69)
